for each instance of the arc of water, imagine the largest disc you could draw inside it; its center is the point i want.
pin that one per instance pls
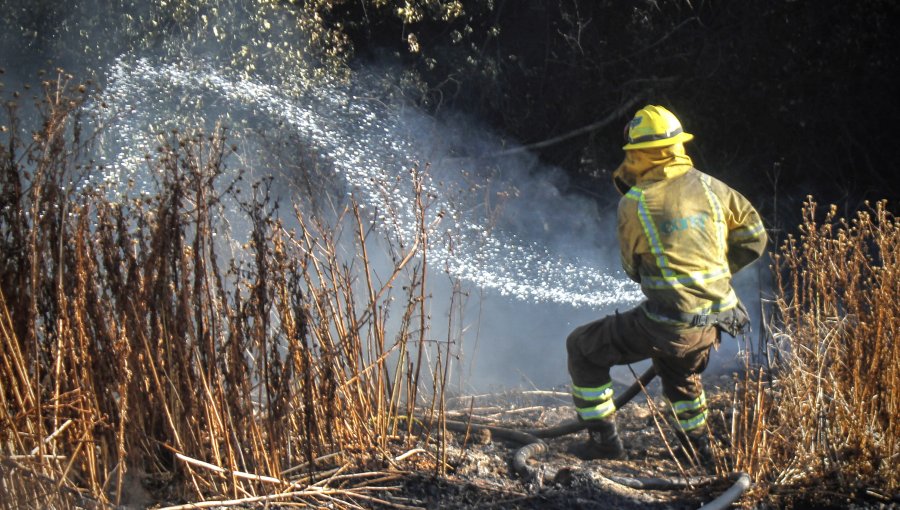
(361, 143)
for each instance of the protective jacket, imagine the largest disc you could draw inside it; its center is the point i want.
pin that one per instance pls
(682, 234)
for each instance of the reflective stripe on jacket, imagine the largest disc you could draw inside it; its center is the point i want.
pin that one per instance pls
(682, 235)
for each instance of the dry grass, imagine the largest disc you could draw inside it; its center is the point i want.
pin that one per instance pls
(821, 419)
(136, 357)
(140, 360)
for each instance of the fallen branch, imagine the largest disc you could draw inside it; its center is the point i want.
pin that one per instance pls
(234, 473)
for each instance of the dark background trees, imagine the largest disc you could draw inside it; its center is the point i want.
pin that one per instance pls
(786, 98)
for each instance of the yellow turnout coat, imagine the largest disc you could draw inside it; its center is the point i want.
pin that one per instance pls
(683, 233)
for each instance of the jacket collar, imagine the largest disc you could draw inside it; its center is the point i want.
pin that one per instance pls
(642, 167)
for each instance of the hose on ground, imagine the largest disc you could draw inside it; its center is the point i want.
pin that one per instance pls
(724, 500)
(532, 439)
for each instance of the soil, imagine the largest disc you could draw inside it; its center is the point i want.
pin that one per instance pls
(479, 472)
(479, 467)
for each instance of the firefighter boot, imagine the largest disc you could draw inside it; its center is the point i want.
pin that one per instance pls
(698, 440)
(603, 441)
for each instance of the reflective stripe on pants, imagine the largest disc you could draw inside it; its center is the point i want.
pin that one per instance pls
(679, 355)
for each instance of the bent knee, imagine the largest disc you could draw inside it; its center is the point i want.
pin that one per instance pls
(573, 342)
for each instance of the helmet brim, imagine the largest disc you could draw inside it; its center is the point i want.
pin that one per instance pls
(665, 142)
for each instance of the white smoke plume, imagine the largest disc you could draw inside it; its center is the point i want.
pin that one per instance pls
(536, 261)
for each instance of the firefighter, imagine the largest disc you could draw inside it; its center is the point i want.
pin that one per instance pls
(682, 235)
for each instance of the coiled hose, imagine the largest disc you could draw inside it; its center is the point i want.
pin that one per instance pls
(532, 439)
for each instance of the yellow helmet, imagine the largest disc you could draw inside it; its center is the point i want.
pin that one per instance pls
(654, 126)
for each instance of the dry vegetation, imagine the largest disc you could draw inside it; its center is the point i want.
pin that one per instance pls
(138, 358)
(142, 359)
(821, 421)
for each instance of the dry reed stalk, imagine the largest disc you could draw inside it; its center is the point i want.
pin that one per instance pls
(129, 344)
(822, 417)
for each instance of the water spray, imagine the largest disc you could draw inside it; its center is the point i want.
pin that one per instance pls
(363, 142)
(365, 145)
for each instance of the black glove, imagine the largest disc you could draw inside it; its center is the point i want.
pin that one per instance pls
(738, 323)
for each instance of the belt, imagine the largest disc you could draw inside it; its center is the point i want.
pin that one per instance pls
(693, 320)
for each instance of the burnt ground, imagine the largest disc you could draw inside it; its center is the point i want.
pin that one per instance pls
(479, 472)
(479, 467)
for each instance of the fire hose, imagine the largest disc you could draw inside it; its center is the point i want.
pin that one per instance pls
(532, 439)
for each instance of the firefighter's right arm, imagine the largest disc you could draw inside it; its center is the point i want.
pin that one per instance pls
(747, 236)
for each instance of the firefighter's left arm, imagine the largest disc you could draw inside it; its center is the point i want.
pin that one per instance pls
(747, 236)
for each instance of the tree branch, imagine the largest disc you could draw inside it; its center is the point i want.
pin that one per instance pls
(618, 112)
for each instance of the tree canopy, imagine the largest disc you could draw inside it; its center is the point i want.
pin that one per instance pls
(785, 97)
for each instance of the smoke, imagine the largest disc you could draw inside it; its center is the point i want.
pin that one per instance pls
(534, 261)
(506, 229)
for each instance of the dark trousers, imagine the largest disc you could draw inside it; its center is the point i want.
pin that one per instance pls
(679, 355)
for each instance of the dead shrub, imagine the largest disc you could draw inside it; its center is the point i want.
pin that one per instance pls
(137, 358)
(820, 420)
